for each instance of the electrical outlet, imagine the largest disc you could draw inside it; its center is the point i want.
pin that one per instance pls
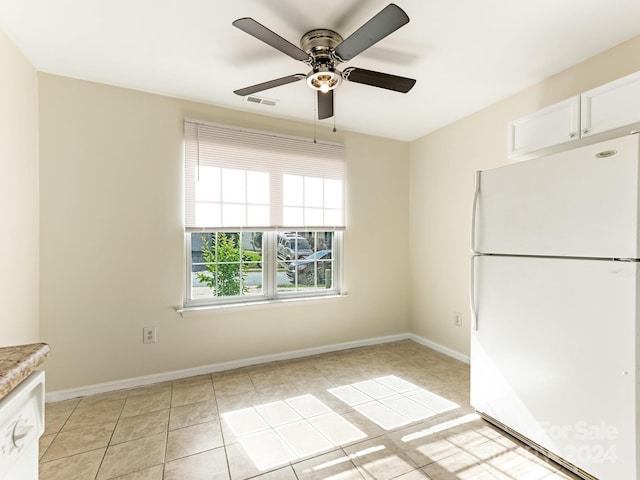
(149, 335)
(457, 319)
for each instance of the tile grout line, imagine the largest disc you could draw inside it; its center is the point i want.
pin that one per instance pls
(104, 455)
(56, 433)
(222, 434)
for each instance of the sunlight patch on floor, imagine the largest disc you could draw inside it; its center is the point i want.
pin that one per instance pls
(276, 433)
(392, 402)
(279, 432)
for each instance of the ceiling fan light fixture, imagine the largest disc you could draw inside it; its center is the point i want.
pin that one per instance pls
(324, 79)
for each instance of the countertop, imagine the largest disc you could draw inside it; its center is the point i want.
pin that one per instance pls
(17, 363)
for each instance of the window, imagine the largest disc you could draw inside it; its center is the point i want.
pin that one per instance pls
(264, 216)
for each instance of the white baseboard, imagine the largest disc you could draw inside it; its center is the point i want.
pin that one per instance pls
(60, 395)
(440, 348)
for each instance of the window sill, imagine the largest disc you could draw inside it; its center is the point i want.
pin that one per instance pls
(194, 309)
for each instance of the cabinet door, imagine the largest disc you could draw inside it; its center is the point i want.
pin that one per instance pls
(611, 106)
(549, 127)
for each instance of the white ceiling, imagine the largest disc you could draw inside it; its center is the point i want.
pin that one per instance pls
(465, 54)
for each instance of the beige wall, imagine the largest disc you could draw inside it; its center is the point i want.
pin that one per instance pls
(18, 197)
(443, 166)
(112, 242)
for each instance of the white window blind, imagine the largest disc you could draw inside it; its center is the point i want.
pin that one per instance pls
(242, 179)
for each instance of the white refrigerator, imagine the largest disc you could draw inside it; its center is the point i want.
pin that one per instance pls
(555, 305)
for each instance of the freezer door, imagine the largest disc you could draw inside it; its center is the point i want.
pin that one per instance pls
(553, 357)
(580, 203)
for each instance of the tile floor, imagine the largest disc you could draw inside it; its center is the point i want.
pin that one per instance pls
(391, 411)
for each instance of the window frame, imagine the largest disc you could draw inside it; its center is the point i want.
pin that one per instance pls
(285, 159)
(270, 292)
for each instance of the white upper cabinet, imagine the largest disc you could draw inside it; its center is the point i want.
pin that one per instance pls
(611, 106)
(608, 111)
(551, 126)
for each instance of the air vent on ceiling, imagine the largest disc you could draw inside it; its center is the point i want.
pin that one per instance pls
(263, 101)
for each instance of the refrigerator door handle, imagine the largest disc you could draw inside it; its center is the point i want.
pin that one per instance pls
(472, 293)
(476, 196)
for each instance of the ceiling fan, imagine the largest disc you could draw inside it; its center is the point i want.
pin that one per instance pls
(323, 49)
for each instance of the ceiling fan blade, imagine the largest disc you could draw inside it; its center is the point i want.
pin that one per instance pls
(270, 84)
(387, 21)
(377, 79)
(255, 29)
(325, 105)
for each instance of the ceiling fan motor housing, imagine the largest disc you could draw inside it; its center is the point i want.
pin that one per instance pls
(319, 44)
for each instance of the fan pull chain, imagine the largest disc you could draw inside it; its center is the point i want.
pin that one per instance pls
(198, 152)
(315, 116)
(334, 112)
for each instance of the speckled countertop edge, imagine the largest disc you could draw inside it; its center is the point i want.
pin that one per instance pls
(17, 363)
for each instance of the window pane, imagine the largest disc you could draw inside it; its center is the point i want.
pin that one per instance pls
(313, 193)
(333, 194)
(258, 187)
(293, 216)
(313, 216)
(208, 184)
(208, 214)
(257, 215)
(233, 185)
(226, 264)
(307, 259)
(291, 246)
(333, 217)
(292, 194)
(233, 215)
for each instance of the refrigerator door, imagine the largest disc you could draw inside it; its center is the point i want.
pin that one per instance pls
(553, 356)
(580, 203)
